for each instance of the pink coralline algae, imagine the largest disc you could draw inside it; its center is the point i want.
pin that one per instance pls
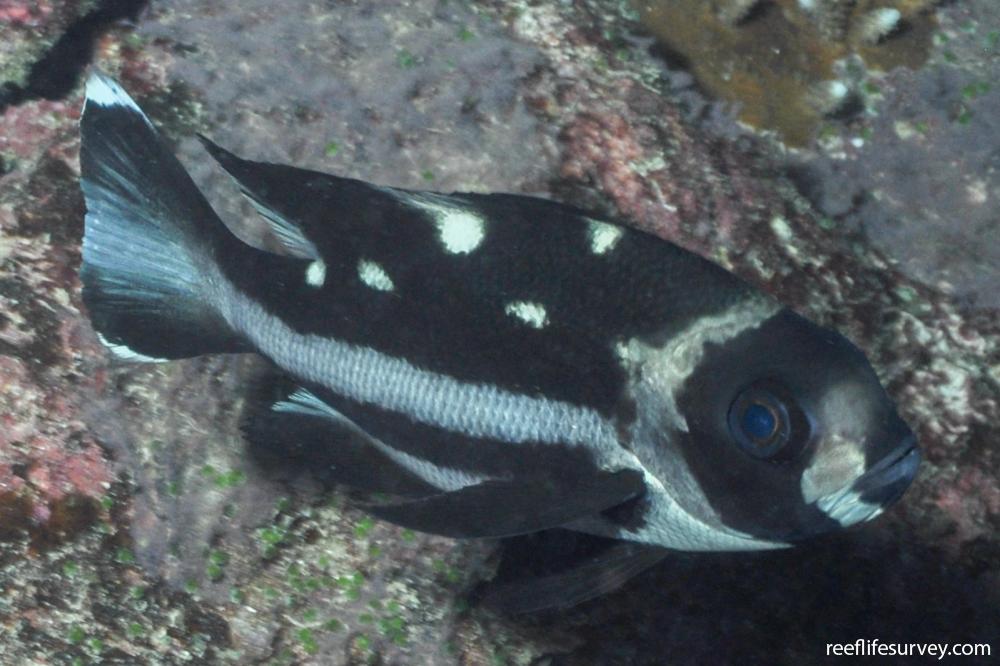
(48, 462)
(24, 13)
(624, 157)
(628, 143)
(24, 128)
(52, 470)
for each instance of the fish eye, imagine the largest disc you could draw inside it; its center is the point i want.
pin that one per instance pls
(759, 422)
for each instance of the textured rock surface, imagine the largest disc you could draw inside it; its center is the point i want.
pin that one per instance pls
(135, 529)
(919, 174)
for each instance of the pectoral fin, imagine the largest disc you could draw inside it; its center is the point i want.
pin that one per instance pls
(291, 432)
(504, 508)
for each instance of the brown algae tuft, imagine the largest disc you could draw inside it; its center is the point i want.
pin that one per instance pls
(790, 63)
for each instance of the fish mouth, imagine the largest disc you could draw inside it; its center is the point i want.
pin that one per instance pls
(875, 490)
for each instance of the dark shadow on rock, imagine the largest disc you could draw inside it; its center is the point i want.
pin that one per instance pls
(57, 72)
(773, 607)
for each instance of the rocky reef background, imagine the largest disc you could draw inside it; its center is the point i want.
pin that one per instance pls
(136, 528)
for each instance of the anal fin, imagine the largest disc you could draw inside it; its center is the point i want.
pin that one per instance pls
(498, 508)
(579, 580)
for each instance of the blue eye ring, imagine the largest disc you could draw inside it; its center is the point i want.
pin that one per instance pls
(759, 422)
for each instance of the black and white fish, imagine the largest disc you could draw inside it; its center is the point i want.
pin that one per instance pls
(511, 363)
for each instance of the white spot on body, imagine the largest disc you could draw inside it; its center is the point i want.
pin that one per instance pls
(837, 90)
(532, 314)
(460, 230)
(603, 236)
(374, 276)
(316, 273)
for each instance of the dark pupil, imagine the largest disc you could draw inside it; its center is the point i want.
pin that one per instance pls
(758, 421)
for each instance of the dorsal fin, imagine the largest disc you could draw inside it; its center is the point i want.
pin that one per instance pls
(290, 234)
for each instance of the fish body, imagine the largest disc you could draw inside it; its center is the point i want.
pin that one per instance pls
(511, 364)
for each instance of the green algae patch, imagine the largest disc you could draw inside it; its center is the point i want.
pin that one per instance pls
(784, 65)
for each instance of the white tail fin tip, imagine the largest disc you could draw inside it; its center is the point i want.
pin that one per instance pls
(123, 353)
(105, 91)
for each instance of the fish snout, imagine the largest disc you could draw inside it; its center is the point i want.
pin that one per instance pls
(875, 490)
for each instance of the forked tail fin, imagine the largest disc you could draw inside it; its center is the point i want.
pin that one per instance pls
(149, 234)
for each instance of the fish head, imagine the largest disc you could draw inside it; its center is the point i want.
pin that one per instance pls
(771, 427)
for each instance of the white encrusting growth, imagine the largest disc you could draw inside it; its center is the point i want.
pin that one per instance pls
(879, 23)
(374, 276)
(126, 354)
(734, 11)
(603, 236)
(103, 91)
(306, 403)
(532, 314)
(460, 229)
(316, 273)
(829, 97)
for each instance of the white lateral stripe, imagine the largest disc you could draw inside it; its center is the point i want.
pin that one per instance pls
(368, 376)
(477, 410)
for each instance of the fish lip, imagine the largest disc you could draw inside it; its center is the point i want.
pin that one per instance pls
(899, 465)
(879, 487)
